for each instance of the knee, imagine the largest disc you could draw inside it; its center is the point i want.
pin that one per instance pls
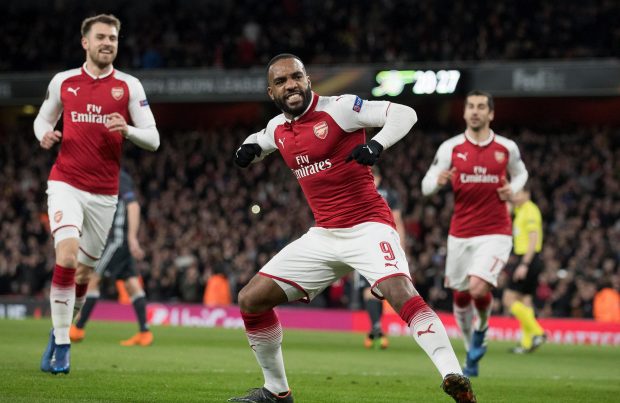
(260, 295)
(479, 289)
(67, 252)
(477, 293)
(246, 300)
(462, 299)
(397, 300)
(508, 298)
(67, 259)
(367, 295)
(254, 299)
(82, 275)
(133, 286)
(398, 292)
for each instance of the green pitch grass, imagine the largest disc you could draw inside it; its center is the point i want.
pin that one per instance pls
(211, 365)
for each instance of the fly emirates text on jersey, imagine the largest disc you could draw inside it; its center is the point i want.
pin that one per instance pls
(307, 169)
(479, 176)
(92, 115)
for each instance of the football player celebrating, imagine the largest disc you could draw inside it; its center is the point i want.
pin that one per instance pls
(323, 141)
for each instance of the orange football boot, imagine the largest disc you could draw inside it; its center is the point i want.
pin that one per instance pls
(384, 342)
(76, 334)
(139, 339)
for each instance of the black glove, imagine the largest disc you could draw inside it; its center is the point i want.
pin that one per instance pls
(366, 154)
(246, 154)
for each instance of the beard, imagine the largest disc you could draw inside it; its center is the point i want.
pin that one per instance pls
(477, 126)
(102, 60)
(307, 98)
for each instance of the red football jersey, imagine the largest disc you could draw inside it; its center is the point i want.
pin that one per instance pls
(315, 145)
(89, 156)
(480, 170)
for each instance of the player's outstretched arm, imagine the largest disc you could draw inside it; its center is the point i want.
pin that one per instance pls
(399, 120)
(247, 153)
(255, 147)
(396, 121)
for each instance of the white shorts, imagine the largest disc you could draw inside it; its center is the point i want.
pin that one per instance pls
(91, 214)
(321, 256)
(482, 256)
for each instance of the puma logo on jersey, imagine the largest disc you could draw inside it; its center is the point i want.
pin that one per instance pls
(281, 141)
(428, 330)
(66, 302)
(395, 265)
(73, 90)
(462, 156)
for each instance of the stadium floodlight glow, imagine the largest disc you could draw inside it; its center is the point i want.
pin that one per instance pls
(392, 82)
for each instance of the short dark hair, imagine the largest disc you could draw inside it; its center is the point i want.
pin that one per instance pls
(103, 18)
(280, 57)
(483, 94)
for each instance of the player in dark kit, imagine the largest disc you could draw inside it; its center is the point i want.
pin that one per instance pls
(118, 262)
(375, 337)
(323, 141)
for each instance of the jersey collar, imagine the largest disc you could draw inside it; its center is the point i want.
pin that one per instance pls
(482, 143)
(94, 77)
(311, 106)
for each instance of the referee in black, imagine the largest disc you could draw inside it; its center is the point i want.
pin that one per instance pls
(118, 262)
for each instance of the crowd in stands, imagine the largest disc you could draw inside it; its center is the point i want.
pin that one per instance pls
(247, 33)
(199, 224)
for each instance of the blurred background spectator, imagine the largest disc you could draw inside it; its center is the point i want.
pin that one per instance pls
(200, 229)
(247, 33)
